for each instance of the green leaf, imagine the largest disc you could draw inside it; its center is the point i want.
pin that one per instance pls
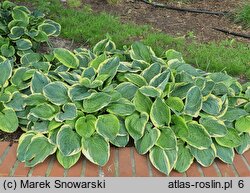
(67, 161)
(175, 103)
(144, 144)
(96, 102)
(135, 125)
(233, 114)
(160, 114)
(96, 149)
(68, 141)
(198, 136)
(78, 92)
(86, 126)
(172, 54)
(193, 102)
(184, 158)
(16, 102)
(8, 120)
(140, 52)
(152, 71)
(127, 90)
(23, 143)
(167, 139)
(142, 103)
(245, 145)
(7, 51)
(69, 113)
(38, 150)
(34, 99)
(161, 159)
(205, 157)
(5, 72)
(38, 82)
(122, 107)
(231, 139)
(243, 124)
(108, 126)
(136, 79)
(150, 91)
(47, 28)
(215, 127)
(109, 67)
(43, 111)
(30, 58)
(160, 81)
(23, 44)
(225, 154)
(56, 92)
(66, 57)
(212, 105)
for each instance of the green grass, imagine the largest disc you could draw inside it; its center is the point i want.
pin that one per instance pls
(87, 27)
(243, 15)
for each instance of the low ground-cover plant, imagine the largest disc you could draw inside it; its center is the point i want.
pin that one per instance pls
(81, 102)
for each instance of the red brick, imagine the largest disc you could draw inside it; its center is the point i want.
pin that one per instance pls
(92, 170)
(109, 168)
(57, 170)
(240, 166)
(225, 169)
(3, 146)
(21, 170)
(9, 161)
(247, 156)
(210, 171)
(141, 165)
(76, 170)
(41, 169)
(193, 171)
(174, 173)
(125, 165)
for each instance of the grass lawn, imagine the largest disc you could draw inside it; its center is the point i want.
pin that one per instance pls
(87, 27)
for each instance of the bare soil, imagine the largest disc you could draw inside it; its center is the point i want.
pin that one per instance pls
(174, 22)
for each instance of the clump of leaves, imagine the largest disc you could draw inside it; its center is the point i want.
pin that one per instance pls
(22, 30)
(81, 102)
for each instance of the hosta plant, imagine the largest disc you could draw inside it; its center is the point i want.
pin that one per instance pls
(85, 101)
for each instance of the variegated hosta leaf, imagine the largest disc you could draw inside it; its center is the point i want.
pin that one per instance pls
(212, 105)
(122, 137)
(160, 114)
(78, 92)
(67, 161)
(197, 136)
(38, 82)
(205, 156)
(180, 90)
(144, 144)
(43, 111)
(86, 126)
(150, 91)
(215, 127)
(135, 125)
(108, 67)
(66, 57)
(175, 103)
(95, 102)
(96, 149)
(127, 90)
(233, 114)
(160, 81)
(16, 102)
(38, 150)
(108, 126)
(104, 45)
(243, 124)
(142, 103)
(167, 139)
(122, 107)
(163, 160)
(136, 79)
(231, 139)
(34, 99)
(184, 158)
(23, 143)
(193, 102)
(68, 141)
(69, 113)
(150, 72)
(56, 92)
(141, 52)
(245, 145)
(8, 120)
(225, 154)
(5, 72)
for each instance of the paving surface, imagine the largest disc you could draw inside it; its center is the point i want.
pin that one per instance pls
(123, 162)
